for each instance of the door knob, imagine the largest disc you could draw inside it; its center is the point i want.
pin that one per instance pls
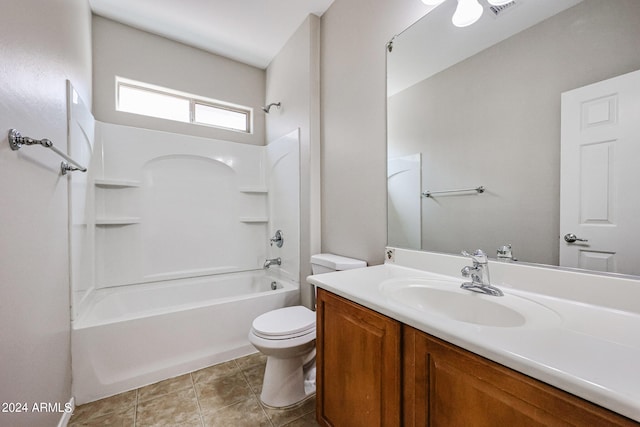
(571, 238)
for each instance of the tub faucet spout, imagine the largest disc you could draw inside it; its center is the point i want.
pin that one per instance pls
(268, 263)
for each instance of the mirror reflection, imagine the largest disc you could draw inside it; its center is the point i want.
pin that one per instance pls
(494, 105)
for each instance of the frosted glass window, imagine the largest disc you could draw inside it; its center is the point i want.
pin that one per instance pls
(221, 117)
(150, 100)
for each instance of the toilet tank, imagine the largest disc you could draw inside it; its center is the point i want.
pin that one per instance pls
(326, 263)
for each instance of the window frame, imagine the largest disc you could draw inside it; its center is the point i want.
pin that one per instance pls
(193, 101)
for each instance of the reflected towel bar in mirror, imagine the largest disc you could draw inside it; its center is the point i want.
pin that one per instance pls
(16, 141)
(479, 190)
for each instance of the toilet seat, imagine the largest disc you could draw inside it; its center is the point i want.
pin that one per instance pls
(285, 323)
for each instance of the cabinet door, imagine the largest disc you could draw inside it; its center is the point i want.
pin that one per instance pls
(358, 365)
(445, 385)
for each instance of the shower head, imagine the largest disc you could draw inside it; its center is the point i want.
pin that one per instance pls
(268, 107)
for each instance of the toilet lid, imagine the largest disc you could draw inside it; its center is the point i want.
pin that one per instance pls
(285, 321)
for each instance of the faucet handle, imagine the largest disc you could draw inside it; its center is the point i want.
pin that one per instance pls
(278, 239)
(477, 256)
(466, 271)
(506, 253)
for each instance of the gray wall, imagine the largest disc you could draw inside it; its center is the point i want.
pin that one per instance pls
(494, 120)
(353, 112)
(120, 50)
(293, 78)
(43, 44)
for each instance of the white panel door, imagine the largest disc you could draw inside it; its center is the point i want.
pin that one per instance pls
(600, 175)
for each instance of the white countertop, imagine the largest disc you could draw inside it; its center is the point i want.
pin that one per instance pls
(590, 351)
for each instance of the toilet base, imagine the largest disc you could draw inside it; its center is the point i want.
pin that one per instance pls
(288, 382)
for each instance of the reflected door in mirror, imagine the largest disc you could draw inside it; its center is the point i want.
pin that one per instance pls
(599, 152)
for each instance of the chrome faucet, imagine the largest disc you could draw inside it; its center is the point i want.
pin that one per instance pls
(268, 263)
(479, 274)
(505, 253)
(278, 239)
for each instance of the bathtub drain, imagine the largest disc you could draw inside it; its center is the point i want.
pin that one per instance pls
(274, 285)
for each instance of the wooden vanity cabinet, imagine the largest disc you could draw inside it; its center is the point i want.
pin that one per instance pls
(445, 385)
(374, 371)
(358, 365)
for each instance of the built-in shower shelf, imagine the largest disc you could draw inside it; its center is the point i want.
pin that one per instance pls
(116, 183)
(120, 220)
(254, 189)
(254, 219)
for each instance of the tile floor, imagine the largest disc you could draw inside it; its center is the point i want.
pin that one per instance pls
(227, 394)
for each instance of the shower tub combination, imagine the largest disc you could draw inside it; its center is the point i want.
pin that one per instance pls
(144, 311)
(131, 336)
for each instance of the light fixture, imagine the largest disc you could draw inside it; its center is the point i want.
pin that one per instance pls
(497, 2)
(467, 12)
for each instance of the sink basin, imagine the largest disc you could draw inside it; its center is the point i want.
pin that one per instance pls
(444, 298)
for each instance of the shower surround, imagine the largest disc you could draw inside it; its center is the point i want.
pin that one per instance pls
(179, 227)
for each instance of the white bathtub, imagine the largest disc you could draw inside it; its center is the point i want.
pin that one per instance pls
(127, 337)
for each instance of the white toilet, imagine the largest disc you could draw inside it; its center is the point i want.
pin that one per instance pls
(287, 337)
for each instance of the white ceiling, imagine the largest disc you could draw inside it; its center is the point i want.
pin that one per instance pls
(249, 31)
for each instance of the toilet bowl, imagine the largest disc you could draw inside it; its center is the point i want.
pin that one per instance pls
(287, 336)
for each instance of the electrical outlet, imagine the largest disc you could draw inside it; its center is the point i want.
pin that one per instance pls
(390, 255)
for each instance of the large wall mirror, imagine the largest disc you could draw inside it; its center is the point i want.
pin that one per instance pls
(480, 106)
